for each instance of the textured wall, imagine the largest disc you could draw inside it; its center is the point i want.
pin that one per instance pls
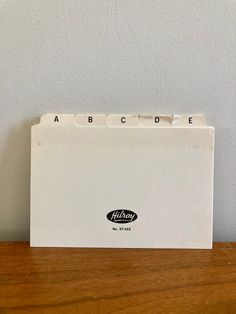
(115, 56)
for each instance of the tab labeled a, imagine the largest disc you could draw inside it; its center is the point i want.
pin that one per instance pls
(57, 119)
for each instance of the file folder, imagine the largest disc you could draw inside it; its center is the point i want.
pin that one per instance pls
(122, 181)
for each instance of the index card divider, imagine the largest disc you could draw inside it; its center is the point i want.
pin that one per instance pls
(132, 164)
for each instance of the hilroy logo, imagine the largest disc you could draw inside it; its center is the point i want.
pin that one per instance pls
(122, 216)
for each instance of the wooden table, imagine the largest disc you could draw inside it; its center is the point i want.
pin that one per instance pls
(55, 280)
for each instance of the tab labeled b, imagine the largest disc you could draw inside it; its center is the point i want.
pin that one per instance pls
(90, 120)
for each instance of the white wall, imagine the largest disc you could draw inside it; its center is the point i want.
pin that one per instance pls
(115, 56)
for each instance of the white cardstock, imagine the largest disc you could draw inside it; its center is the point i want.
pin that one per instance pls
(122, 181)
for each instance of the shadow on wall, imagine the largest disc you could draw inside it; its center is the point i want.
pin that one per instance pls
(15, 188)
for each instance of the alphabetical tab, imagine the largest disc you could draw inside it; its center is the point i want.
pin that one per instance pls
(57, 119)
(122, 120)
(89, 120)
(189, 120)
(150, 121)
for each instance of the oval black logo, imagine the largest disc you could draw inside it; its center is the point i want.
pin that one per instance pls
(122, 216)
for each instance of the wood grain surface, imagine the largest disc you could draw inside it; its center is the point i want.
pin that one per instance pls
(55, 280)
